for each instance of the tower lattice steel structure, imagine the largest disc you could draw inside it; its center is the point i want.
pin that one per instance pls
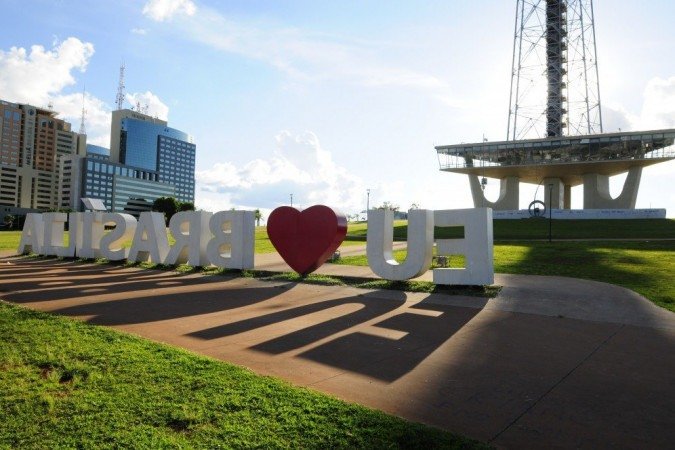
(554, 78)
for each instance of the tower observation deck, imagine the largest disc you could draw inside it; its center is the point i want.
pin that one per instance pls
(554, 133)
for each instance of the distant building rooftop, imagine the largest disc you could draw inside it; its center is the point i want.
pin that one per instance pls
(97, 150)
(93, 204)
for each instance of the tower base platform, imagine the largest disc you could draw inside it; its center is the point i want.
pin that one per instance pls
(569, 214)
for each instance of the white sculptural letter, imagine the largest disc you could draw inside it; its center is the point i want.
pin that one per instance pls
(380, 243)
(111, 243)
(476, 246)
(190, 229)
(92, 232)
(54, 227)
(150, 240)
(74, 236)
(232, 245)
(32, 235)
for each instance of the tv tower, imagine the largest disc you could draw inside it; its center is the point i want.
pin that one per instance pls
(554, 77)
(554, 136)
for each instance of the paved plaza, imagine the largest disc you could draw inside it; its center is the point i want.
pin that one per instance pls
(550, 362)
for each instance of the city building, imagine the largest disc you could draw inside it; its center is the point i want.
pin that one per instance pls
(33, 145)
(146, 160)
(122, 188)
(44, 165)
(139, 140)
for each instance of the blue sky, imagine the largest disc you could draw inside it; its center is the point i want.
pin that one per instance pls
(324, 99)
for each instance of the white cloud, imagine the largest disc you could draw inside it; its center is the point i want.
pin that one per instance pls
(615, 117)
(140, 31)
(97, 119)
(658, 109)
(38, 75)
(161, 10)
(150, 103)
(299, 166)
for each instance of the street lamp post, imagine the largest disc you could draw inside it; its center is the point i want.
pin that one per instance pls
(291, 200)
(367, 202)
(550, 210)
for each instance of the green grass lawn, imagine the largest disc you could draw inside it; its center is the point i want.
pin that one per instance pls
(67, 384)
(9, 240)
(530, 229)
(647, 267)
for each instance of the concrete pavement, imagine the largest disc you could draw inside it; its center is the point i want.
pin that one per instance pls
(551, 361)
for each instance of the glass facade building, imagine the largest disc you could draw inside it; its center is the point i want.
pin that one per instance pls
(167, 151)
(176, 166)
(96, 151)
(122, 188)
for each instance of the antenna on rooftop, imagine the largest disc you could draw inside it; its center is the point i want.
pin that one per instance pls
(119, 100)
(83, 130)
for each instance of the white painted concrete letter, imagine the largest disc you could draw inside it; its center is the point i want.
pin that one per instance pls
(111, 243)
(74, 236)
(190, 229)
(150, 240)
(476, 247)
(380, 243)
(233, 240)
(32, 235)
(54, 224)
(92, 232)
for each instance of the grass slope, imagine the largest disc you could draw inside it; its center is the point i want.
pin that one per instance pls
(66, 384)
(646, 267)
(527, 229)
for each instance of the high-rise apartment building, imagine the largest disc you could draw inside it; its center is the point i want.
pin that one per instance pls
(33, 142)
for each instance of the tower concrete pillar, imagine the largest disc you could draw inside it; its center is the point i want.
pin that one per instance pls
(556, 190)
(508, 194)
(568, 197)
(597, 196)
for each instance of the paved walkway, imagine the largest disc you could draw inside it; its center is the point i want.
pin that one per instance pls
(550, 362)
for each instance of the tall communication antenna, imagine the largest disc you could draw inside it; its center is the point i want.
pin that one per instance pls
(119, 100)
(83, 129)
(554, 77)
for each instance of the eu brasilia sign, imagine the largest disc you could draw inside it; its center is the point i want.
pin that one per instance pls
(305, 239)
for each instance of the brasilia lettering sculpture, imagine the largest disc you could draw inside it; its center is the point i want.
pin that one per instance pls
(305, 239)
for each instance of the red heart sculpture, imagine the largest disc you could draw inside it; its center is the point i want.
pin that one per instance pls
(306, 239)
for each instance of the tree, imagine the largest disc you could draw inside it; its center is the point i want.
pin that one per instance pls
(186, 206)
(258, 217)
(9, 220)
(388, 205)
(414, 206)
(166, 205)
